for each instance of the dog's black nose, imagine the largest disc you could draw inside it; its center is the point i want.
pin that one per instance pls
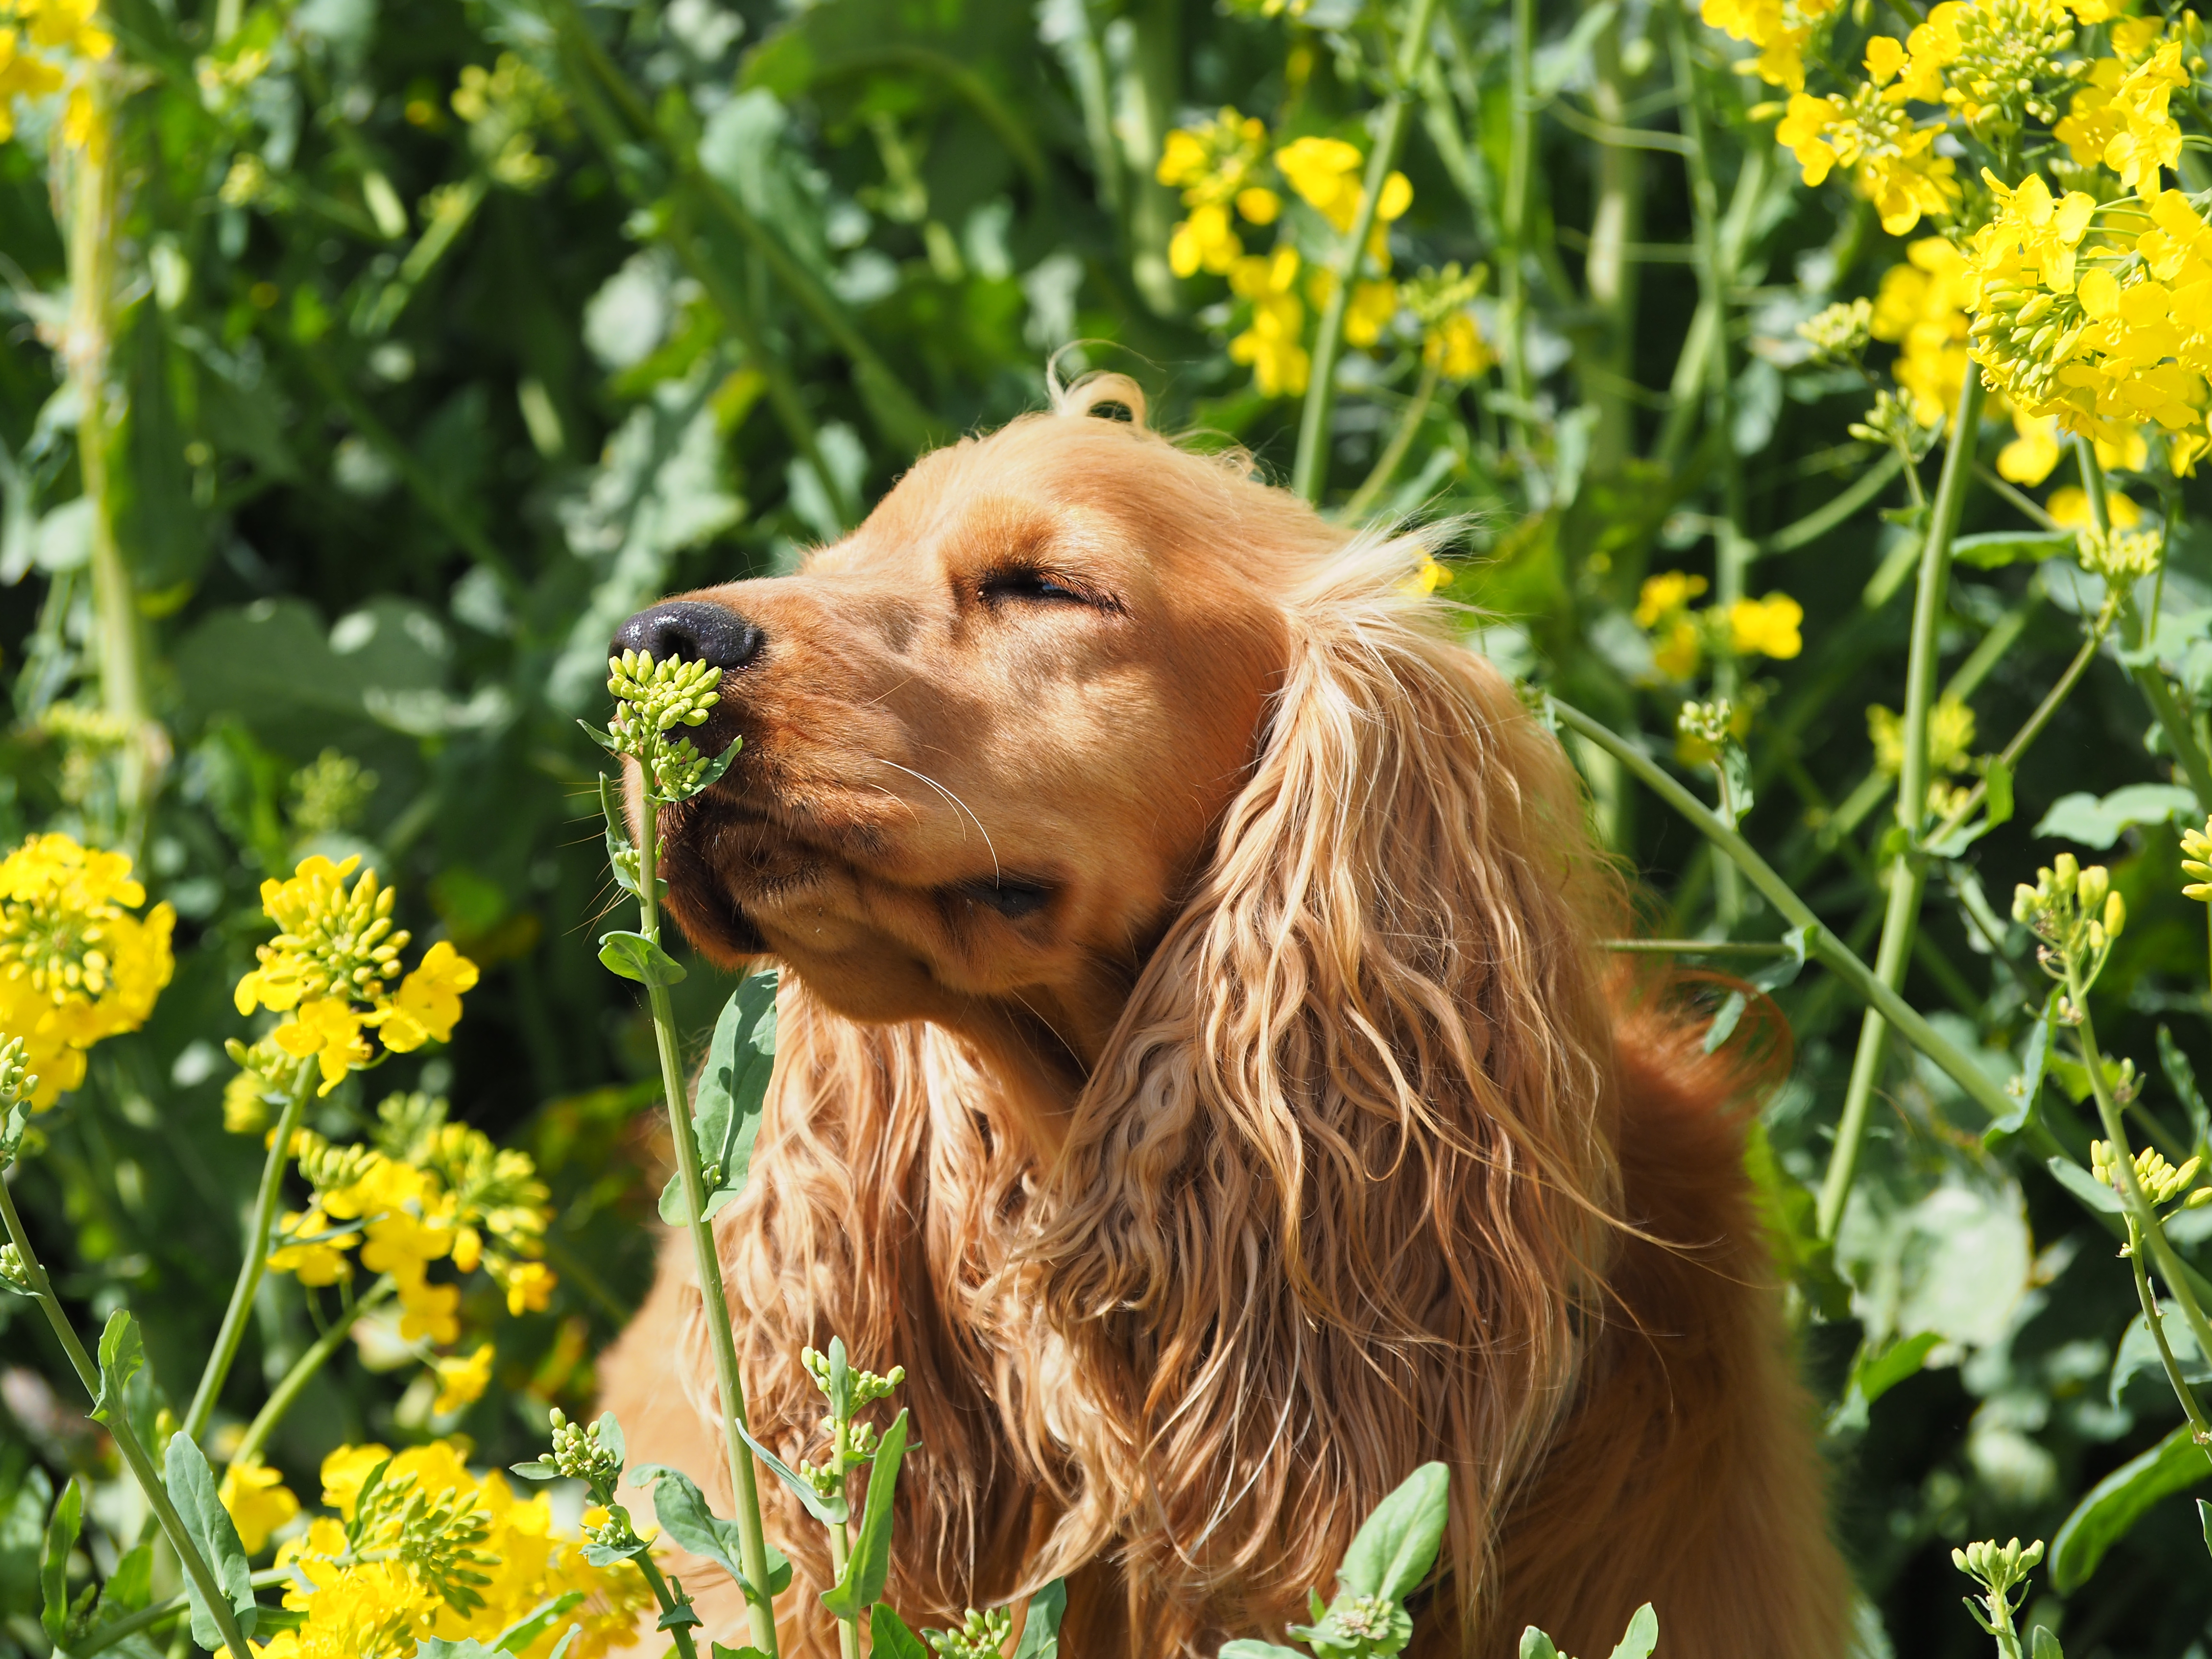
(691, 629)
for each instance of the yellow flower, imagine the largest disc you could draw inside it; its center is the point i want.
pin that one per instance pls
(429, 1004)
(2068, 508)
(2197, 861)
(258, 1500)
(2028, 459)
(2147, 139)
(21, 76)
(1204, 242)
(1326, 172)
(1767, 626)
(1950, 737)
(462, 1381)
(1780, 29)
(1259, 205)
(68, 26)
(1272, 343)
(318, 1263)
(429, 1313)
(1920, 308)
(329, 1030)
(75, 966)
(1369, 312)
(529, 1284)
(1455, 346)
(1679, 648)
(330, 942)
(1884, 55)
(1662, 595)
(1891, 159)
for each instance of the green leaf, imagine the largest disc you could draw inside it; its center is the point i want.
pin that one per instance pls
(726, 1112)
(888, 1636)
(1643, 1635)
(2182, 1076)
(609, 1434)
(2138, 1356)
(2115, 1503)
(121, 1355)
(1998, 778)
(1874, 1372)
(830, 1512)
(1245, 1648)
(682, 1616)
(2084, 1185)
(2042, 1644)
(1534, 1644)
(532, 1624)
(1790, 1212)
(2034, 1064)
(870, 1563)
(2204, 1523)
(622, 852)
(192, 1489)
(543, 1469)
(53, 1563)
(130, 1587)
(635, 956)
(1041, 1623)
(745, 1652)
(682, 1510)
(2087, 821)
(1396, 1545)
(1995, 549)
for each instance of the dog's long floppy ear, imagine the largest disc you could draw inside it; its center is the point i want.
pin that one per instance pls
(1339, 1193)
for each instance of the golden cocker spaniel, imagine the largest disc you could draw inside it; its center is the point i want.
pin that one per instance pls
(1198, 1068)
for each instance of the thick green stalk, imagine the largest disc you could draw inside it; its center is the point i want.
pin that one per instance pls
(286, 1393)
(258, 1228)
(752, 1540)
(1608, 272)
(1309, 474)
(125, 1436)
(2149, 678)
(848, 1630)
(1908, 874)
(1520, 160)
(656, 1581)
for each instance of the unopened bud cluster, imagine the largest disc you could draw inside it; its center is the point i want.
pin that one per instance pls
(17, 1082)
(15, 1273)
(1891, 421)
(2077, 915)
(2161, 1181)
(2197, 861)
(579, 1453)
(2118, 556)
(1840, 330)
(980, 1636)
(616, 1533)
(1998, 1567)
(652, 699)
(867, 1388)
(1360, 1627)
(1707, 723)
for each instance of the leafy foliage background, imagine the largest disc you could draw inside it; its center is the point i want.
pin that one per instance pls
(424, 393)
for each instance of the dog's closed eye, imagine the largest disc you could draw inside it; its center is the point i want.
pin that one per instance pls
(1008, 895)
(1023, 583)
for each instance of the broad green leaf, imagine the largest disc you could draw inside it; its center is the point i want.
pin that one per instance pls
(2084, 1185)
(53, 1563)
(1245, 1648)
(2042, 1644)
(130, 1587)
(1994, 549)
(2034, 1063)
(1040, 1638)
(683, 1511)
(1396, 1545)
(1643, 1635)
(191, 1486)
(745, 1652)
(2087, 821)
(830, 1512)
(1790, 1212)
(682, 1616)
(121, 1355)
(841, 1378)
(2138, 1357)
(1534, 1644)
(532, 1624)
(870, 1562)
(1874, 1372)
(888, 1636)
(2115, 1503)
(609, 1434)
(635, 956)
(726, 1112)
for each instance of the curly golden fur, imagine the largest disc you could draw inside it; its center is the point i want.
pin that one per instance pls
(1197, 1068)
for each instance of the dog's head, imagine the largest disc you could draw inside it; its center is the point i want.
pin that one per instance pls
(986, 735)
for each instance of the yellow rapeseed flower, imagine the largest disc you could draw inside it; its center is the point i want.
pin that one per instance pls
(1272, 343)
(1456, 347)
(428, 1003)
(1664, 594)
(75, 966)
(462, 1381)
(1891, 158)
(1780, 29)
(258, 1501)
(1767, 627)
(1326, 173)
(1921, 308)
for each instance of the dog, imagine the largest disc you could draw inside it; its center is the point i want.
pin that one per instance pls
(1198, 1067)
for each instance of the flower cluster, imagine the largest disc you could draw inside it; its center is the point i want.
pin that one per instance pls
(652, 699)
(427, 1190)
(1780, 30)
(75, 966)
(1921, 309)
(1890, 157)
(981, 1636)
(1950, 749)
(2076, 914)
(41, 43)
(2161, 1181)
(1228, 175)
(504, 106)
(330, 967)
(419, 1547)
(1681, 637)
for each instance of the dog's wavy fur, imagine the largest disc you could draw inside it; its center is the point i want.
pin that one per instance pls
(1379, 1164)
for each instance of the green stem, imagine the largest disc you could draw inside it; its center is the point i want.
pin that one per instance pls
(160, 1612)
(286, 1393)
(666, 1597)
(1387, 465)
(752, 1540)
(2141, 1214)
(125, 1436)
(2031, 729)
(1823, 518)
(264, 1218)
(1310, 473)
(1513, 219)
(1697, 947)
(1908, 875)
(2149, 678)
(848, 1630)
(2175, 1380)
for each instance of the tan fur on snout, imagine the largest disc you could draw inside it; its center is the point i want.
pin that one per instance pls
(1196, 1067)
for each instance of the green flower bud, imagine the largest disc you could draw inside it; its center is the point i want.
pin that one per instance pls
(2064, 872)
(2090, 887)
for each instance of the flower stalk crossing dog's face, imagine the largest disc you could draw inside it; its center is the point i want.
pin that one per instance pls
(984, 738)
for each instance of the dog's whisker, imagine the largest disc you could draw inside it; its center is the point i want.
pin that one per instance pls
(955, 799)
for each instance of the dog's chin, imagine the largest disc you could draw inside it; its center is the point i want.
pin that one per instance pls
(720, 865)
